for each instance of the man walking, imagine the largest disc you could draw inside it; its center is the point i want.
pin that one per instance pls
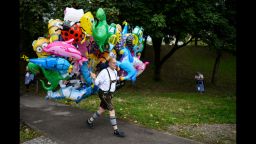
(106, 81)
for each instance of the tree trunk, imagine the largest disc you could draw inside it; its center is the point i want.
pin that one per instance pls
(216, 67)
(157, 67)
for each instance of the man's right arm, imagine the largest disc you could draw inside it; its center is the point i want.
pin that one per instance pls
(99, 78)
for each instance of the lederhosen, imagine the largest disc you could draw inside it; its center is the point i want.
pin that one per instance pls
(106, 96)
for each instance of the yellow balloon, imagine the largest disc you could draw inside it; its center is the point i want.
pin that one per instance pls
(113, 51)
(105, 56)
(55, 26)
(38, 46)
(112, 39)
(94, 60)
(54, 29)
(135, 39)
(119, 27)
(54, 37)
(118, 32)
(86, 23)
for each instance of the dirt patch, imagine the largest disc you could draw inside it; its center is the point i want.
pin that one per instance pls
(207, 133)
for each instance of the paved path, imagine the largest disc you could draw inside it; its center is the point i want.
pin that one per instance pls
(63, 124)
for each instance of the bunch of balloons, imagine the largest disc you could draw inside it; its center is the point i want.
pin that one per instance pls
(79, 45)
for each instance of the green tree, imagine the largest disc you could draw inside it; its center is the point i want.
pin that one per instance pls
(31, 22)
(213, 21)
(219, 30)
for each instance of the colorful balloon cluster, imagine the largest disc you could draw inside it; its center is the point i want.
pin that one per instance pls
(80, 45)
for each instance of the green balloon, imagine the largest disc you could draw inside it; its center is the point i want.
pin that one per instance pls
(35, 69)
(100, 29)
(52, 76)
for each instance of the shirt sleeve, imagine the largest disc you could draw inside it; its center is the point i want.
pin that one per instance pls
(99, 78)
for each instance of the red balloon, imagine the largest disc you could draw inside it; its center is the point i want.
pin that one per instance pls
(74, 32)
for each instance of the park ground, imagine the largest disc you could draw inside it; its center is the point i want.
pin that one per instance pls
(172, 104)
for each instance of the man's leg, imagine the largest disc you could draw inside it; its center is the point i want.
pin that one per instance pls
(114, 124)
(113, 119)
(95, 115)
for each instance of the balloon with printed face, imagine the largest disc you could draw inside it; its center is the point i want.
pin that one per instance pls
(86, 23)
(74, 15)
(78, 37)
(39, 45)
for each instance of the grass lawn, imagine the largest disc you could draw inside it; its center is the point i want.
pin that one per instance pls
(160, 110)
(27, 133)
(174, 100)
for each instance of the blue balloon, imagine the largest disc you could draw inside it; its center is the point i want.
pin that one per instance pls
(86, 73)
(52, 63)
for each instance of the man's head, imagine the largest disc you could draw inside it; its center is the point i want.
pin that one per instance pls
(112, 63)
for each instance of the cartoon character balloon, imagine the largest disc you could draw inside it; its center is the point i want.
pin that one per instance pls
(137, 34)
(54, 28)
(139, 65)
(52, 76)
(100, 29)
(86, 23)
(65, 49)
(138, 41)
(39, 45)
(34, 68)
(126, 63)
(71, 93)
(113, 38)
(74, 15)
(53, 63)
(72, 32)
(79, 45)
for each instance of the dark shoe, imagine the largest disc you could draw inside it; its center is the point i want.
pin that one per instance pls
(90, 125)
(119, 133)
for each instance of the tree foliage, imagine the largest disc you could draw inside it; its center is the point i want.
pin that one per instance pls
(213, 21)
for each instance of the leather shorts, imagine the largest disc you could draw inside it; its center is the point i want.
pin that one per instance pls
(105, 98)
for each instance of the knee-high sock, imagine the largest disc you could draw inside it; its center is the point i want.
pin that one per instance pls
(113, 122)
(94, 116)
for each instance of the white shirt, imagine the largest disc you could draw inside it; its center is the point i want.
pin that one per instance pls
(103, 81)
